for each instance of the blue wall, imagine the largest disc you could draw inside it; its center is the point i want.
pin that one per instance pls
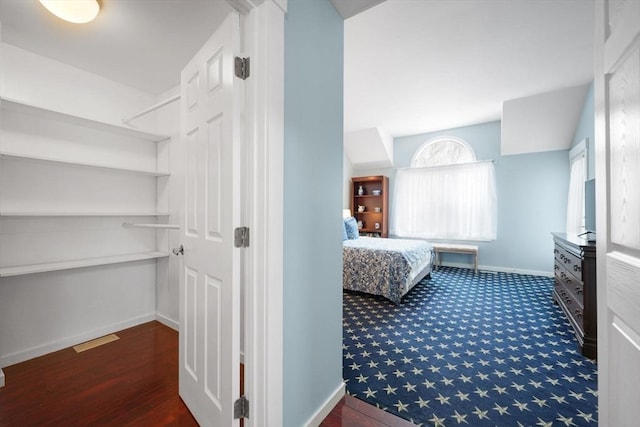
(532, 199)
(313, 154)
(585, 129)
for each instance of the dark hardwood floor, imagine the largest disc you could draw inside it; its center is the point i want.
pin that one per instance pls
(129, 382)
(352, 412)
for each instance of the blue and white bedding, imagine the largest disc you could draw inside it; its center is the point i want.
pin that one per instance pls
(386, 267)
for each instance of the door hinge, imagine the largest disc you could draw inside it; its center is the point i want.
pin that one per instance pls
(242, 68)
(241, 235)
(241, 408)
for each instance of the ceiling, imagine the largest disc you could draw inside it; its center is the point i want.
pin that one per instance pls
(349, 8)
(415, 66)
(140, 43)
(411, 66)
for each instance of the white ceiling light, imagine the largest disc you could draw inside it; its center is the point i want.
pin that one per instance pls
(76, 11)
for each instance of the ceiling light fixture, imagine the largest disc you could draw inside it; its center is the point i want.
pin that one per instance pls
(75, 11)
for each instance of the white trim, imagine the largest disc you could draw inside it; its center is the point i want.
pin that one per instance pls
(244, 7)
(602, 171)
(491, 268)
(580, 149)
(326, 408)
(264, 138)
(168, 322)
(1, 379)
(50, 347)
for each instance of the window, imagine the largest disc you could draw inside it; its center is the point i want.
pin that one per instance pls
(446, 194)
(577, 177)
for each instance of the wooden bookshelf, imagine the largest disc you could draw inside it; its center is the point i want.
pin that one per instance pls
(375, 199)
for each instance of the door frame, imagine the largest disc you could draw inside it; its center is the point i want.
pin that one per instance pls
(262, 33)
(601, 174)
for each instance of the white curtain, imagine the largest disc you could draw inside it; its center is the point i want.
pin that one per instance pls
(575, 202)
(456, 202)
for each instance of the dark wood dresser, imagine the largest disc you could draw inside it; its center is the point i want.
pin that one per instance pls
(575, 287)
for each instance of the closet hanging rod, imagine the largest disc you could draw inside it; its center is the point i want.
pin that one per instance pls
(140, 225)
(152, 108)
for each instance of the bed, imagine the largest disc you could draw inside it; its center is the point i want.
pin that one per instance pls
(386, 267)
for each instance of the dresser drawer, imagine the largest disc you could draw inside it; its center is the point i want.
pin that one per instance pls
(569, 261)
(571, 282)
(569, 290)
(571, 305)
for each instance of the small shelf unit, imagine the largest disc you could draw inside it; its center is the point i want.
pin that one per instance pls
(369, 217)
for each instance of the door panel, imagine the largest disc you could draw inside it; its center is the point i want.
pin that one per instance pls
(624, 98)
(617, 100)
(210, 288)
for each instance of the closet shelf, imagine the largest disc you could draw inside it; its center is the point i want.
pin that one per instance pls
(19, 106)
(80, 263)
(37, 214)
(42, 159)
(140, 225)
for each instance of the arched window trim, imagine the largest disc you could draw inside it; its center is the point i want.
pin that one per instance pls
(462, 142)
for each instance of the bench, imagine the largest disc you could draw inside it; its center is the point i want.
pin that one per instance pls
(458, 249)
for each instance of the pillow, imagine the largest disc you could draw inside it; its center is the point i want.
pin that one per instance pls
(345, 236)
(351, 227)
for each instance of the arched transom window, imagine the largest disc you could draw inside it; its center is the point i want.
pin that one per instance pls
(443, 151)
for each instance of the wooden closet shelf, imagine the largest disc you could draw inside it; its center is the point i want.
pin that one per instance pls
(43, 159)
(24, 107)
(80, 263)
(36, 214)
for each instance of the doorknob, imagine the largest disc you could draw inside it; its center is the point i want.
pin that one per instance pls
(178, 250)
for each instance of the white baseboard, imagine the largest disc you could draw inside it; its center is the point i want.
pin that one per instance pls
(1, 378)
(500, 269)
(50, 347)
(326, 408)
(168, 322)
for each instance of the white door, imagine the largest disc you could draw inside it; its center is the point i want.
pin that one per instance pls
(210, 272)
(617, 89)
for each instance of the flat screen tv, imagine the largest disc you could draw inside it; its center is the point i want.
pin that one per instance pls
(590, 207)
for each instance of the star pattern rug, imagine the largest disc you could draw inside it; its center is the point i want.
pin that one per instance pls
(486, 349)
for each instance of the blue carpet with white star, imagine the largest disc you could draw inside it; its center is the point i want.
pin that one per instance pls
(486, 349)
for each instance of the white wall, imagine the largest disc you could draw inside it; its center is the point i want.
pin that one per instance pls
(52, 84)
(43, 312)
(542, 122)
(167, 290)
